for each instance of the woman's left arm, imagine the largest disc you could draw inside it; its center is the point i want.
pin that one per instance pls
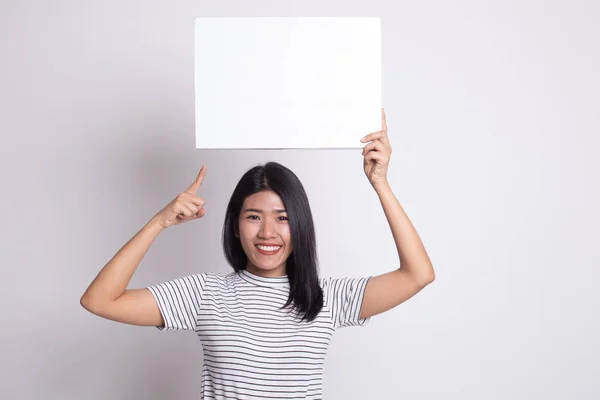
(386, 291)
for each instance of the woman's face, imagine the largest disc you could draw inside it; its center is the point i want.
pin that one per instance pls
(264, 221)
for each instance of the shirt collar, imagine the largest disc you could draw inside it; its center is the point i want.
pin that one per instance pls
(275, 281)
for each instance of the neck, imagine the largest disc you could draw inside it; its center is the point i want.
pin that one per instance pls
(273, 273)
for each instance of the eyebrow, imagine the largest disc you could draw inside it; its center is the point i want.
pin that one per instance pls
(256, 210)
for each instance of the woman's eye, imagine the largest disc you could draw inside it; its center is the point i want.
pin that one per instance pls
(256, 217)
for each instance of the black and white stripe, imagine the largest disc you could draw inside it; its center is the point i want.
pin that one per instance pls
(252, 348)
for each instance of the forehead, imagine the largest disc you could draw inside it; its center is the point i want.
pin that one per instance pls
(266, 200)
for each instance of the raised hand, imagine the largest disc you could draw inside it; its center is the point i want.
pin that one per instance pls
(187, 206)
(376, 154)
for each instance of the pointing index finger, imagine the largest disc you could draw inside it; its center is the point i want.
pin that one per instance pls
(383, 121)
(193, 189)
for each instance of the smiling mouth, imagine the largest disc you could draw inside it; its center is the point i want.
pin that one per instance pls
(268, 250)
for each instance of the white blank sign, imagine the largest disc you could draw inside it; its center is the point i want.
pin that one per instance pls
(265, 83)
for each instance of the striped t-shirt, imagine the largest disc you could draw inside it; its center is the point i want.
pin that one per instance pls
(252, 348)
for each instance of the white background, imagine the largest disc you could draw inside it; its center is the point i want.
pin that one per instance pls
(493, 116)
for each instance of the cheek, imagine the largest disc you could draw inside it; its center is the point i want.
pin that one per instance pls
(248, 234)
(246, 230)
(287, 235)
(245, 235)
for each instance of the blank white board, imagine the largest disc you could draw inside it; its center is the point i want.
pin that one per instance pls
(281, 82)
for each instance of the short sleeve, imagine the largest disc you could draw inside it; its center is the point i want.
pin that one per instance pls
(179, 300)
(345, 298)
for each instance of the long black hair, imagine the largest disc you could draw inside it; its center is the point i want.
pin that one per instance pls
(302, 264)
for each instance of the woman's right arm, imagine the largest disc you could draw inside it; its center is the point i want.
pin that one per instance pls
(108, 297)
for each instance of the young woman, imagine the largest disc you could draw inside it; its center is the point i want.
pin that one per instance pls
(264, 328)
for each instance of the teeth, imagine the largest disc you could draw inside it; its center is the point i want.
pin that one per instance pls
(268, 248)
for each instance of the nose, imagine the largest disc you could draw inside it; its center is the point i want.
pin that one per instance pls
(268, 228)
